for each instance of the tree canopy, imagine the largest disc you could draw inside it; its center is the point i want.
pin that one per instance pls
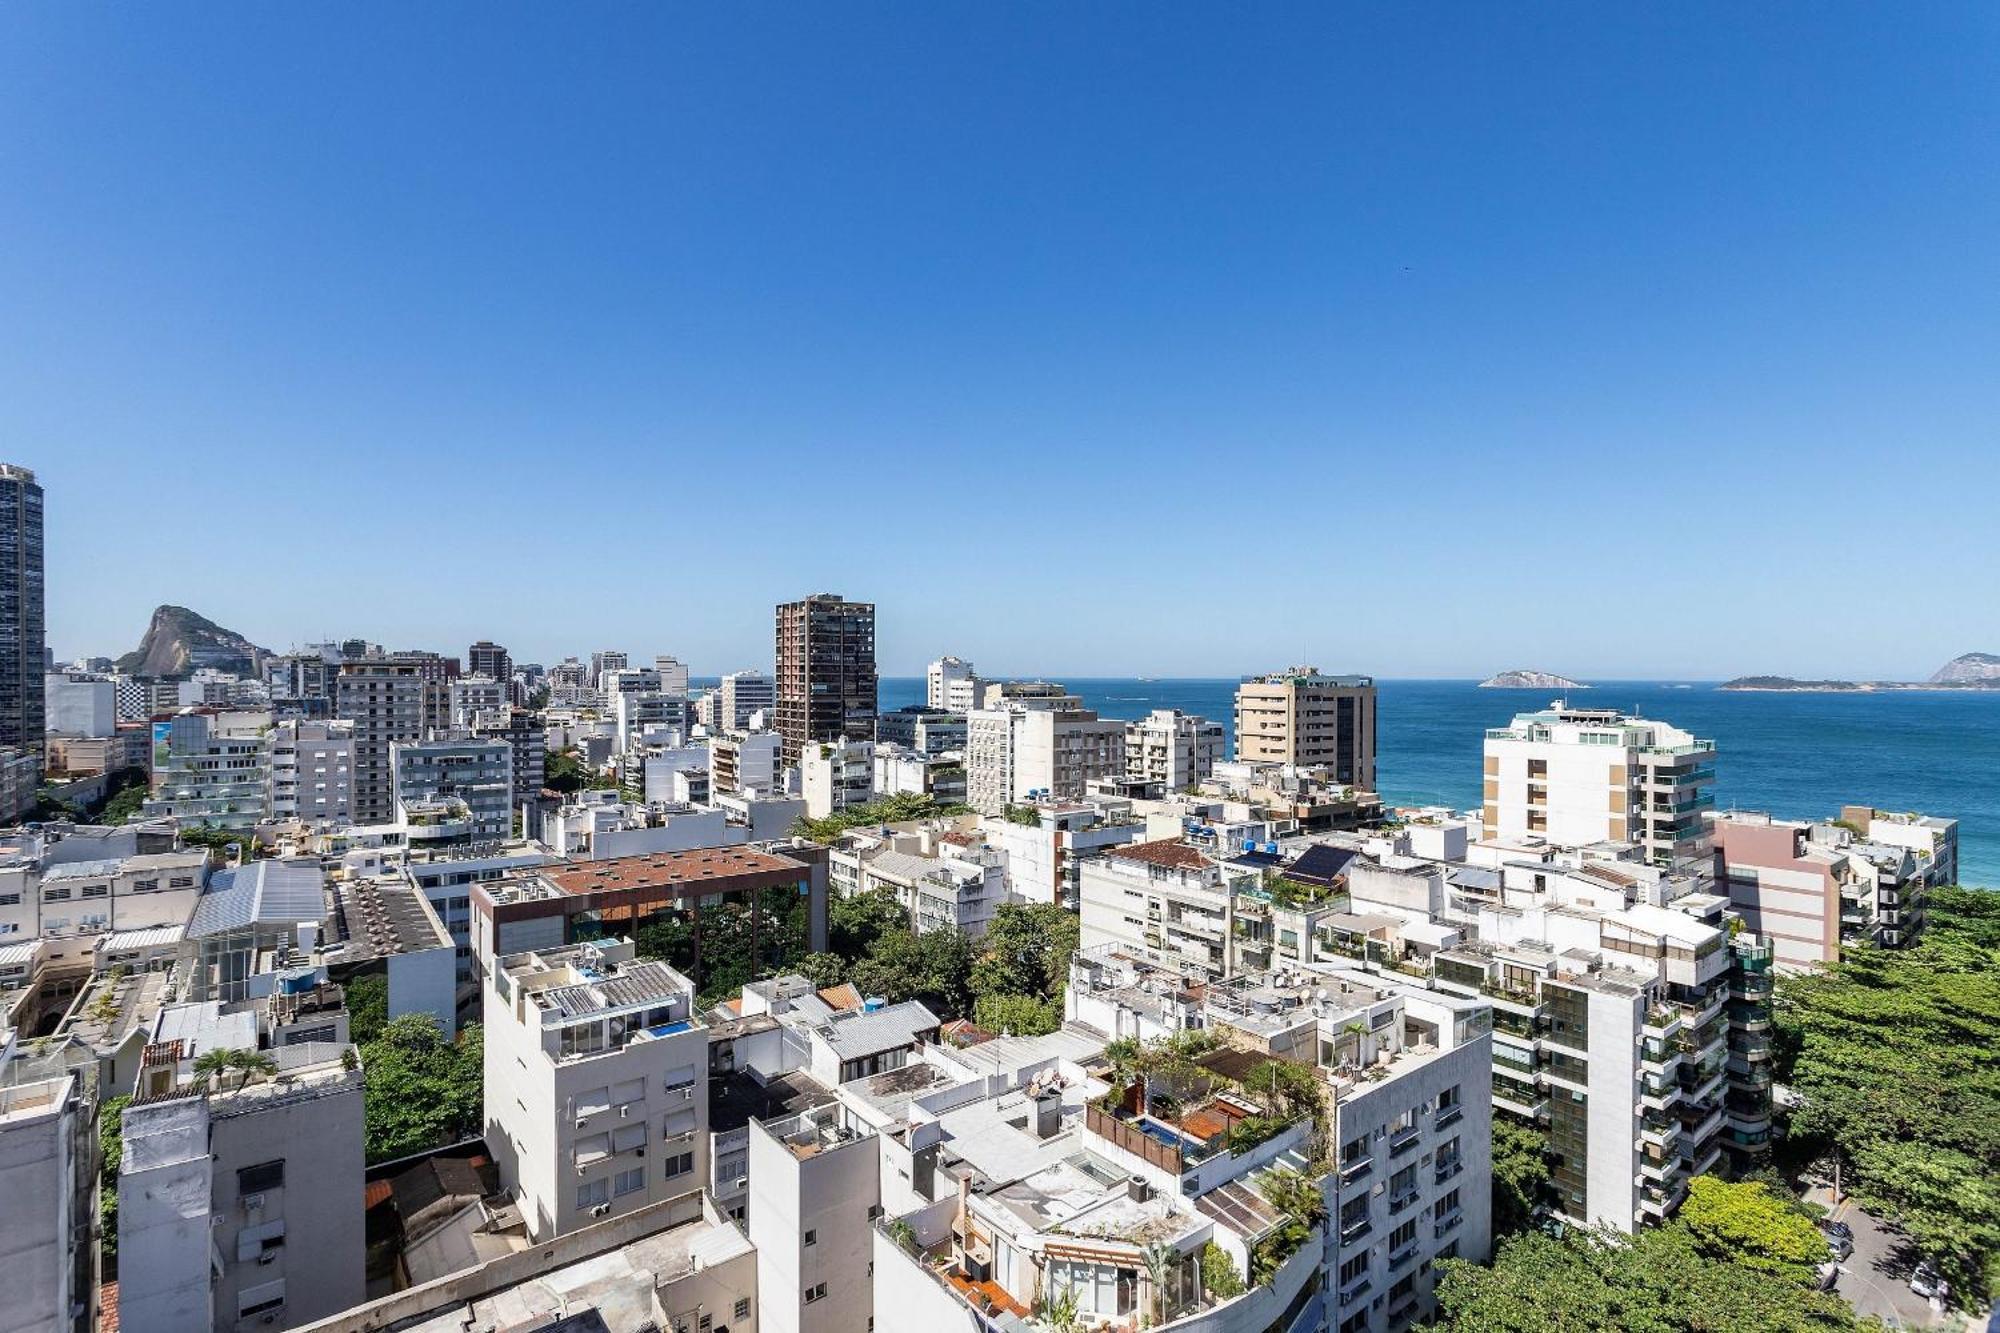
(1521, 1179)
(1658, 1281)
(1894, 1055)
(1749, 1223)
(897, 808)
(1026, 951)
(931, 967)
(422, 1089)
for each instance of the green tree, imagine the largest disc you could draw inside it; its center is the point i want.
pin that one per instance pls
(1656, 1282)
(422, 1090)
(855, 921)
(900, 808)
(1022, 1015)
(1026, 951)
(822, 969)
(367, 1007)
(1746, 1223)
(127, 797)
(931, 967)
(1894, 1055)
(1521, 1179)
(110, 1154)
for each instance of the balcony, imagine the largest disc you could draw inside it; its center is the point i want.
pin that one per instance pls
(1356, 1170)
(1401, 1258)
(1355, 1230)
(1404, 1140)
(1447, 1222)
(1398, 1202)
(1446, 1170)
(1450, 1115)
(1355, 1292)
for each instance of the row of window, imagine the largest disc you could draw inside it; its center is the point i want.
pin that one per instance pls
(594, 1193)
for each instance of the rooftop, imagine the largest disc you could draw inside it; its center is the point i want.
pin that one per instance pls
(260, 893)
(1171, 853)
(667, 868)
(376, 918)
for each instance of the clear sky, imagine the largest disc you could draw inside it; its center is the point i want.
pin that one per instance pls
(1082, 338)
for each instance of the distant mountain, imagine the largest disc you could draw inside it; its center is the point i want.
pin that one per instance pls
(1971, 668)
(1531, 680)
(178, 641)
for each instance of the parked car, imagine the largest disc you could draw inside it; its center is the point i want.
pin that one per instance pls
(1928, 1283)
(1840, 1229)
(1839, 1247)
(1828, 1275)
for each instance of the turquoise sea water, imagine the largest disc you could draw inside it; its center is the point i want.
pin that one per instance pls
(1793, 755)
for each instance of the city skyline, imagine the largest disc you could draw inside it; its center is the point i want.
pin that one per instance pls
(1432, 344)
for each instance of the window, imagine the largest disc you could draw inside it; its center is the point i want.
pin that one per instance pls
(742, 1308)
(97, 890)
(679, 1165)
(630, 1182)
(629, 1137)
(593, 1192)
(1353, 1268)
(261, 1177)
(1402, 1235)
(591, 1147)
(812, 1236)
(55, 895)
(816, 1292)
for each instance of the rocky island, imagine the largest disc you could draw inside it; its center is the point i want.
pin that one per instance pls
(1968, 671)
(1531, 680)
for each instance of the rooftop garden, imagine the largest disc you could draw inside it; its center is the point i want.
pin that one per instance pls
(900, 808)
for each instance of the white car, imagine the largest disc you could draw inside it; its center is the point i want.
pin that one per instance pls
(1928, 1283)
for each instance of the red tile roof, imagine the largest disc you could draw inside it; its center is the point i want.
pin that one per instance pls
(1169, 852)
(665, 868)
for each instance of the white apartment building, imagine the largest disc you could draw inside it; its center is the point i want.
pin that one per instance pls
(660, 768)
(80, 704)
(1046, 845)
(679, 1264)
(1172, 748)
(950, 683)
(312, 771)
(89, 897)
(1036, 742)
(596, 1084)
(598, 825)
(1164, 902)
(742, 696)
(477, 772)
(474, 699)
(240, 1206)
(1045, 1175)
(941, 883)
(836, 774)
(1933, 840)
(1575, 777)
(673, 675)
(634, 715)
(746, 761)
(204, 777)
(45, 1229)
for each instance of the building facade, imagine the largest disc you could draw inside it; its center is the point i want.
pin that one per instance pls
(23, 650)
(826, 671)
(1300, 717)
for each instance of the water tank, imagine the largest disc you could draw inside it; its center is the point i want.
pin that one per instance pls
(298, 983)
(874, 1002)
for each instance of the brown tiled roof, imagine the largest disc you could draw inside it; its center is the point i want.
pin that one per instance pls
(1169, 852)
(107, 1308)
(959, 839)
(663, 868)
(843, 996)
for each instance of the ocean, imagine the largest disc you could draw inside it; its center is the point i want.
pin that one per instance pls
(1792, 755)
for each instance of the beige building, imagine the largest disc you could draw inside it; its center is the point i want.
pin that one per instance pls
(1575, 777)
(1299, 716)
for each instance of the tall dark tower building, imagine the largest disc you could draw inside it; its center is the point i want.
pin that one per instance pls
(486, 658)
(826, 671)
(23, 652)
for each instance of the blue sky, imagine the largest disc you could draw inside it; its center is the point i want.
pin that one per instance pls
(1083, 338)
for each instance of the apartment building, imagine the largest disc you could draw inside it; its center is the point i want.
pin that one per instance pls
(774, 894)
(940, 880)
(930, 731)
(745, 761)
(599, 825)
(1033, 742)
(207, 777)
(528, 739)
(1047, 845)
(1163, 902)
(490, 660)
(1298, 716)
(240, 1200)
(1931, 839)
(476, 697)
(23, 648)
(1176, 750)
(1579, 776)
(742, 696)
(387, 701)
(64, 898)
(596, 1083)
(478, 772)
(836, 774)
(951, 685)
(1060, 1175)
(80, 703)
(678, 1264)
(312, 771)
(47, 1164)
(826, 672)
(673, 675)
(814, 1182)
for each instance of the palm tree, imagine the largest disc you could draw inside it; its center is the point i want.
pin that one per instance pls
(1060, 1312)
(212, 1064)
(1159, 1260)
(253, 1064)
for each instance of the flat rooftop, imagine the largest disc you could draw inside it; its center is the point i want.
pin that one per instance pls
(377, 918)
(670, 868)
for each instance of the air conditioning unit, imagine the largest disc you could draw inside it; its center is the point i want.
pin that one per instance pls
(267, 1256)
(600, 1210)
(639, 1151)
(253, 1201)
(624, 1111)
(581, 1123)
(743, 1182)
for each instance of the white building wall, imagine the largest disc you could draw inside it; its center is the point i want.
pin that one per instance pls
(830, 1195)
(39, 1137)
